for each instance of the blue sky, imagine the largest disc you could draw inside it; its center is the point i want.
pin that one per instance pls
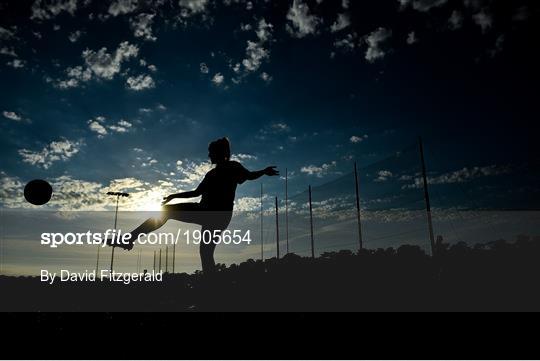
(127, 94)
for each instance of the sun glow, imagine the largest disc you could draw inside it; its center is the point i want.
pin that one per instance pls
(147, 201)
(149, 205)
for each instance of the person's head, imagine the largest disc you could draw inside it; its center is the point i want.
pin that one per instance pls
(219, 151)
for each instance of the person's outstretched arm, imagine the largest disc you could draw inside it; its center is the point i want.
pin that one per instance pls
(269, 171)
(191, 194)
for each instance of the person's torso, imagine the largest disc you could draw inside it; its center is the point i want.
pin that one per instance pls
(220, 188)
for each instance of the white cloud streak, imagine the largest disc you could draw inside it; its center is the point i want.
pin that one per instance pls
(318, 171)
(140, 82)
(61, 150)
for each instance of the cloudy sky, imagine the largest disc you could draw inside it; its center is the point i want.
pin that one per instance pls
(126, 94)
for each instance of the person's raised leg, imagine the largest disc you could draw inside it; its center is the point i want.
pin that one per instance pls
(150, 225)
(183, 212)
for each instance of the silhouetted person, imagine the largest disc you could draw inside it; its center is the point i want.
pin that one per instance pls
(215, 209)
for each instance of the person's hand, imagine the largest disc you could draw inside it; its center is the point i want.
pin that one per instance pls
(167, 199)
(271, 171)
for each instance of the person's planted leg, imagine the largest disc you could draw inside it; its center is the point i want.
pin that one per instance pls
(207, 252)
(213, 224)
